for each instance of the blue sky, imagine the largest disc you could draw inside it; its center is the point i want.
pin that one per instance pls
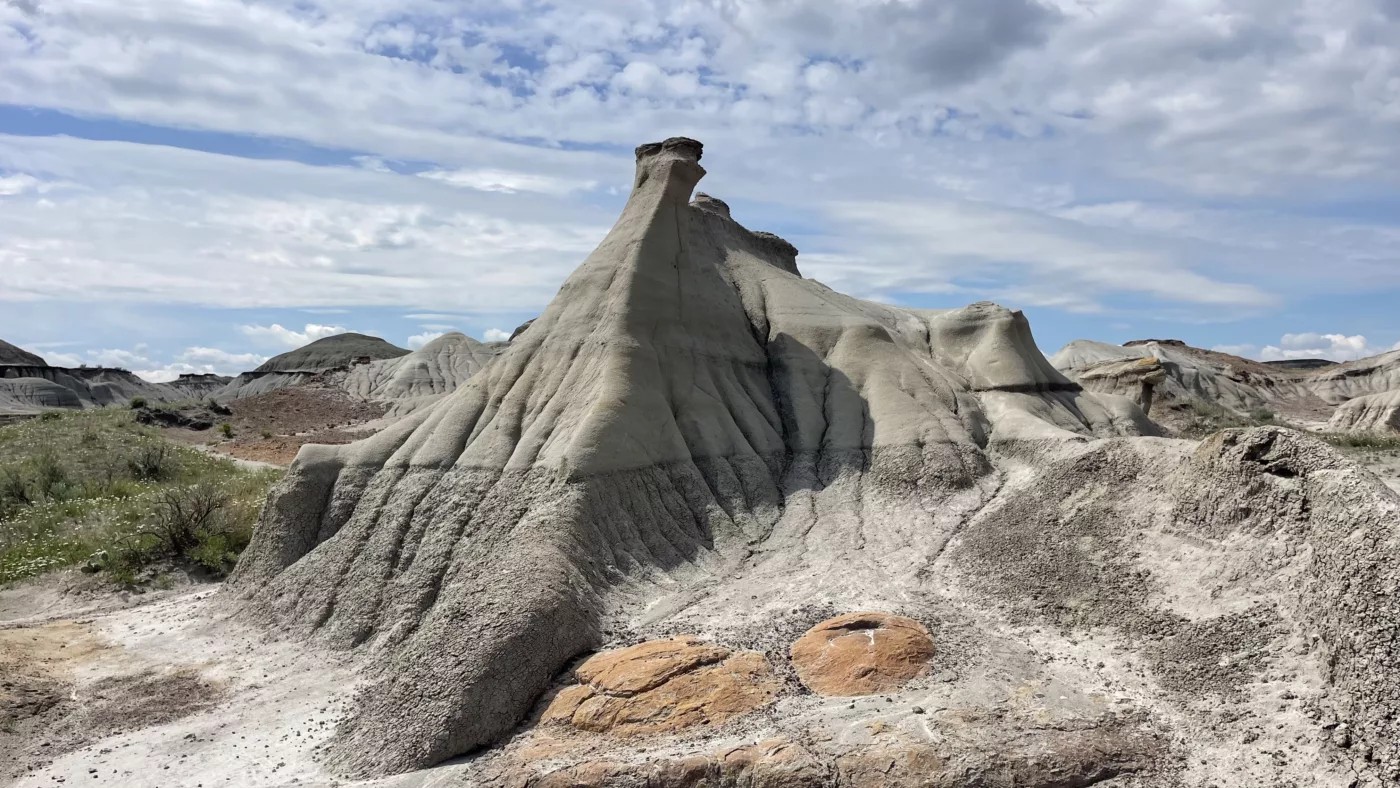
(195, 185)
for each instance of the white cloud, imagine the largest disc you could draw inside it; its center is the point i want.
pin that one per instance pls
(1337, 347)
(167, 225)
(1056, 148)
(10, 185)
(69, 360)
(419, 340)
(495, 335)
(275, 335)
(221, 361)
(508, 182)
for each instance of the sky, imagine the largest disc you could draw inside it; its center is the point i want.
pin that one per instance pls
(196, 185)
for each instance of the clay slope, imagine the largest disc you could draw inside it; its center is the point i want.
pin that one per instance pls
(1342, 382)
(1189, 375)
(16, 356)
(33, 389)
(341, 351)
(1175, 375)
(437, 368)
(693, 440)
(1368, 413)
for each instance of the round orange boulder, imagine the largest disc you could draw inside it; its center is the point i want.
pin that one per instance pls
(861, 654)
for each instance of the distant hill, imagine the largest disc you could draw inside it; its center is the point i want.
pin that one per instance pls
(11, 356)
(340, 350)
(1178, 382)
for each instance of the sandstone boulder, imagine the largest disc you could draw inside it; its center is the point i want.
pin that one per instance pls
(663, 686)
(862, 654)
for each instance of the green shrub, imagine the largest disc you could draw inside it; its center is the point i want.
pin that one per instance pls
(148, 463)
(50, 478)
(91, 490)
(226, 430)
(1263, 416)
(138, 403)
(50, 415)
(14, 488)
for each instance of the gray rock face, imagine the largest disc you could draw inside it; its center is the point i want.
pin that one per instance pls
(439, 367)
(1307, 389)
(1368, 413)
(1374, 375)
(16, 356)
(32, 389)
(1191, 375)
(694, 438)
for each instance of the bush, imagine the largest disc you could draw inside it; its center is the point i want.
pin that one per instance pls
(226, 430)
(50, 415)
(148, 464)
(266, 434)
(138, 403)
(186, 514)
(14, 488)
(1263, 416)
(50, 479)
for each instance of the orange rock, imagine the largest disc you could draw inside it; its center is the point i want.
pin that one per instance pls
(662, 686)
(861, 654)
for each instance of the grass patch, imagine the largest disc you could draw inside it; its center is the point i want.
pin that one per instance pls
(96, 487)
(1206, 418)
(1362, 441)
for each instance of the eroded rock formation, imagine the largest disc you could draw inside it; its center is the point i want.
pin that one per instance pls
(692, 438)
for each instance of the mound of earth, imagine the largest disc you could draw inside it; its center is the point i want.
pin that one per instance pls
(33, 395)
(30, 389)
(420, 377)
(1342, 382)
(1173, 379)
(1307, 390)
(693, 439)
(1368, 413)
(198, 417)
(11, 355)
(340, 350)
(272, 427)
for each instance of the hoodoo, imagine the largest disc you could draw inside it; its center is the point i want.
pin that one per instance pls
(694, 441)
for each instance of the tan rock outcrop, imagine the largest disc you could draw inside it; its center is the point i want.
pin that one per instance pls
(663, 686)
(861, 654)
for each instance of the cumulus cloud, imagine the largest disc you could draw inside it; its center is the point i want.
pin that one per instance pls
(275, 335)
(990, 120)
(1337, 347)
(417, 341)
(145, 363)
(11, 185)
(495, 335)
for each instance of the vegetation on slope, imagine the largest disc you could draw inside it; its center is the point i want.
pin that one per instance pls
(97, 488)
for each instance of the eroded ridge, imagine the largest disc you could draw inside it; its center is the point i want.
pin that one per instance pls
(694, 438)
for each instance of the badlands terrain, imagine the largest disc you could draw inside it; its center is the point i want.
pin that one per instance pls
(707, 522)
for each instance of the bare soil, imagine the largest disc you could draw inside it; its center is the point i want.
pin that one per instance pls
(271, 427)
